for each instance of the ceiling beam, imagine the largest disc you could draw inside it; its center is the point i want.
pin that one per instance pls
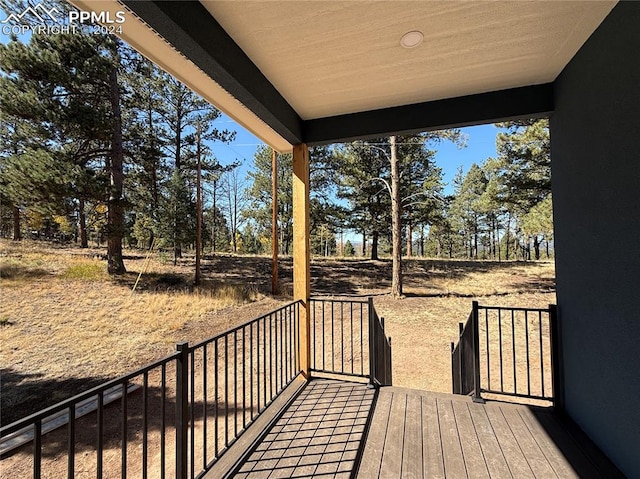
(516, 103)
(191, 29)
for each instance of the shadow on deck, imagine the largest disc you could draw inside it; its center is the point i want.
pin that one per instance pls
(343, 429)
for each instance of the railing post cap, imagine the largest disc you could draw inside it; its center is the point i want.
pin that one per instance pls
(182, 346)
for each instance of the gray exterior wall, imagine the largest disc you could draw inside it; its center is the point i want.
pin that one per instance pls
(595, 151)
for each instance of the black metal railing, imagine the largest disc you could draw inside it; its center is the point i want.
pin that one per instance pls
(172, 418)
(251, 365)
(339, 336)
(465, 377)
(508, 351)
(380, 367)
(348, 338)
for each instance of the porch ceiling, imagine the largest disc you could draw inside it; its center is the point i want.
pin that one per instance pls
(336, 57)
(281, 68)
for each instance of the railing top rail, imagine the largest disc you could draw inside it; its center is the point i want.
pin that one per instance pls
(241, 326)
(332, 300)
(44, 413)
(509, 308)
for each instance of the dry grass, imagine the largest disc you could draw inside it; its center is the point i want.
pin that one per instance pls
(62, 317)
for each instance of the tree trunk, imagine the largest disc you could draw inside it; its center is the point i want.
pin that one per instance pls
(507, 241)
(498, 240)
(364, 244)
(82, 225)
(17, 236)
(198, 209)
(177, 247)
(396, 224)
(536, 246)
(475, 241)
(374, 245)
(494, 237)
(409, 234)
(115, 214)
(214, 229)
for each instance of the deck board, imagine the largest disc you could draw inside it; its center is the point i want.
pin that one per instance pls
(454, 465)
(391, 466)
(433, 462)
(516, 460)
(494, 459)
(372, 456)
(536, 458)
(412, 450)
(471, 450)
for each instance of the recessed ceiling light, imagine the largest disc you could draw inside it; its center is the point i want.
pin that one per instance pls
(411, 39)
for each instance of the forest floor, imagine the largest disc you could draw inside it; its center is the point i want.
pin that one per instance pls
(66, 326)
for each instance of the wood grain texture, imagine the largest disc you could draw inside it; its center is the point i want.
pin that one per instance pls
(301, 250)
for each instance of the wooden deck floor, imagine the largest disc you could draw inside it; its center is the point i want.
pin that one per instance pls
(416, 434)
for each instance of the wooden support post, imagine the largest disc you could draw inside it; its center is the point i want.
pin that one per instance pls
(274, 222)
(301, 250)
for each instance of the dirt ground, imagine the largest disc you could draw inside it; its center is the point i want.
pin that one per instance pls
(66, 326)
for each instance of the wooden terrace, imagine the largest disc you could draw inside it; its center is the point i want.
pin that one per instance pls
(342, 429)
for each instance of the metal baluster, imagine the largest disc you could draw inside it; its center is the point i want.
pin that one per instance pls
(71, 445)
(264, 361)
(342, 337)
(251, 367)
(282, 351)
(270, 357)
(215, 387)
(526, 329)
(361, 340)
(37, 450)
(244, 389)
(193, 412)
(100, 438)
(333, 341)
(500, 344)
(235, 383)
(275, 346)
(226, 390)
(124, 429)
(163, 420)
(313, 332)
(541, 357)
(513, 345)
(351, 324)
(486, 330)
(324, 351)
(145, 422)
(204, 406)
